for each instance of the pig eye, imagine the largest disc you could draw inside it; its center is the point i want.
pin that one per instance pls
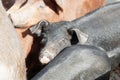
(43, 35)
(44, 38)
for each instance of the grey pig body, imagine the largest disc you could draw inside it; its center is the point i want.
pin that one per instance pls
(77, 62)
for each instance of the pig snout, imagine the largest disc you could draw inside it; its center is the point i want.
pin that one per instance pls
(46, 57)
(48, 53)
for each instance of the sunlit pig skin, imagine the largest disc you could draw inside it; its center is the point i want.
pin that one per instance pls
(35, 10)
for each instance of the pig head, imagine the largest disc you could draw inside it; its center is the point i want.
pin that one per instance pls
(54, 39)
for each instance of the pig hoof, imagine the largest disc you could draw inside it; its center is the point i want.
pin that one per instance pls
(44, 60)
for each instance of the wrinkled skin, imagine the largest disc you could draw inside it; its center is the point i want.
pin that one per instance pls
(77, 63)
(12, 57)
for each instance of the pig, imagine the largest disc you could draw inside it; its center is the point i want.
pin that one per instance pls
(77, 62)
(25, 13)
(96, 28)
(12, 57)
(56, 33)
(53, 10)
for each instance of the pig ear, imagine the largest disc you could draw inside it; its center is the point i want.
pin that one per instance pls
(36, 29)
(82, 37)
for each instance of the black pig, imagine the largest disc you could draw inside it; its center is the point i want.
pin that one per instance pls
(100, 28)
